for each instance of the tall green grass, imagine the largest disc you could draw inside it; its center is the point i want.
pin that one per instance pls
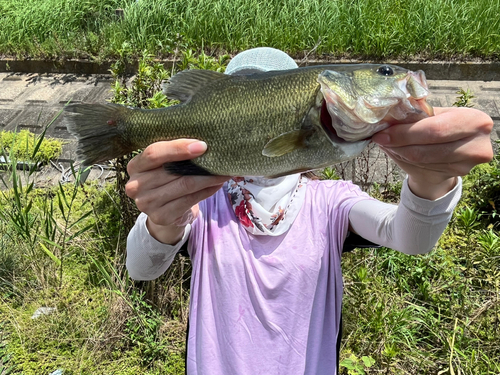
(341, 28)
(55, 28)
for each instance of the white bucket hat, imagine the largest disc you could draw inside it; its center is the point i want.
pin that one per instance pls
(261, 59)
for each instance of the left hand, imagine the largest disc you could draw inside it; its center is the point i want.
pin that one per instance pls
(435, 150)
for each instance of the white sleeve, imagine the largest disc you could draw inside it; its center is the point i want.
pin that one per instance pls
(412, 227)
(147, 258)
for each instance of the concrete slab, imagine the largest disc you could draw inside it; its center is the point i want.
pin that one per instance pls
(7, 115)
(488, 105)
(11, 90)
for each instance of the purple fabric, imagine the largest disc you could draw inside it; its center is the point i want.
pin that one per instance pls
(268, 305)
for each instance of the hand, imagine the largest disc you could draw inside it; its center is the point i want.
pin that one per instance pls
(170, 201)
(435, 150)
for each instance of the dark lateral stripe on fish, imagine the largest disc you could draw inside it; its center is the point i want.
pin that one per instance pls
(186, 167)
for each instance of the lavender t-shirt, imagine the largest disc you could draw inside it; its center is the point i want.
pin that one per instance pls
(268, 305)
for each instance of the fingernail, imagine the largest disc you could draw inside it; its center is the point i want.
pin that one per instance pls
(382, 139)
(197, 147)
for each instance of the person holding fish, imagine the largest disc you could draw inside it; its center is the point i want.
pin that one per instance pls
(266, 284)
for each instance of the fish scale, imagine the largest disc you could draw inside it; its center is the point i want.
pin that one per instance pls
(265, 124)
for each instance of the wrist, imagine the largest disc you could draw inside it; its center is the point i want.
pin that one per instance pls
(431, 189)
(166, 234)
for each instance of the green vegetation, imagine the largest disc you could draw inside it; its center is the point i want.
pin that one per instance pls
(375, 29)
(464, 99)
(63, 247)
(432, 314)
(22, 146)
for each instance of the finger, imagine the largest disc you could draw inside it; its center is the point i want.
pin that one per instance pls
(149, 180)
(450, 124)
(474, 149)
(173, 211)
(459, 168)
(159, 153)
(150, 199)
(432, 154)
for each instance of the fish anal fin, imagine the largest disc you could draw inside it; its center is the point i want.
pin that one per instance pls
(184, 85)
(287, 142)
(186, 168)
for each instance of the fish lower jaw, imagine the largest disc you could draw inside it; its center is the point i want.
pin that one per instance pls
(336, 134)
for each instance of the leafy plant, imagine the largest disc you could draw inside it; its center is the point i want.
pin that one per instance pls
(145, 86)
(468, 219)
(464, 98)
(489, 241)
(22, 144)
(143, 330)
(357, 366)
(329, 173)
(191, 60)
(482, 189)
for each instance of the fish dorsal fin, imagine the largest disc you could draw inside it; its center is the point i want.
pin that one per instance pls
(287, 142)
(184, 85)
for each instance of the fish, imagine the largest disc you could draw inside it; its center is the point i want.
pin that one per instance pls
(265, 124)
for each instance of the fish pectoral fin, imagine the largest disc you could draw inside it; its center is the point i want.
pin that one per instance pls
(287, 142)
(184, 85)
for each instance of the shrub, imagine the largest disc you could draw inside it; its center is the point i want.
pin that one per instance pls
(22, 146)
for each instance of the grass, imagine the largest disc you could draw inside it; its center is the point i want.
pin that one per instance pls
(422, 314)
(430, 314)
(374, 29)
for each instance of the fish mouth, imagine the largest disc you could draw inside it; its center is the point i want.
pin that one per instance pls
(417, 90)
(326, 123)
(351, 113)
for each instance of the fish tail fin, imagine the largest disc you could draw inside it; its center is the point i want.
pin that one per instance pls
(99, 130)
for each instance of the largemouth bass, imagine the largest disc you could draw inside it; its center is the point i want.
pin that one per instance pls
(265, 124)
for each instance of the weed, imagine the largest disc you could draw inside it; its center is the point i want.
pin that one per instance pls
(464, 99)
(145, 86)
(143, 330)
(355, 365)
(22, 144)
(329, 173)
(190, 60)
(482, 189)
(39, 231)
(5, 356)
(48, 237)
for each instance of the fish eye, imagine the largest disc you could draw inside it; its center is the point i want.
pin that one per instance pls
(385, 70)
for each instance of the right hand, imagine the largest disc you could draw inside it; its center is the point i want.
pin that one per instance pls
(170, 201)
